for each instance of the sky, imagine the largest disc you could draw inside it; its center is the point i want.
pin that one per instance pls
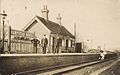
(96, 20)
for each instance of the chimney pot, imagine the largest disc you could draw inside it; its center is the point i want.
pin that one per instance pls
(45, 12)
(59, 18)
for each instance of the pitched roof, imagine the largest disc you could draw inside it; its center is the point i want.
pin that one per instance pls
(54, 27)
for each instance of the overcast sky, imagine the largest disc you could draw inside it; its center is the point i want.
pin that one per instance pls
(97, 20)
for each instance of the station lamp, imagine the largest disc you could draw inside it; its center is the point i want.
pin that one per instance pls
(4, 15)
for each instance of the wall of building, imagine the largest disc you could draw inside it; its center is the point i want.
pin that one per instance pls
(63, 44)
(39, 30)
(14, 63)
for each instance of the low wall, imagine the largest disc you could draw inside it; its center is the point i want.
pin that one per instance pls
(14, 63)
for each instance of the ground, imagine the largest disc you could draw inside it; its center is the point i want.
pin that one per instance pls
(113, 70)
(113, 66)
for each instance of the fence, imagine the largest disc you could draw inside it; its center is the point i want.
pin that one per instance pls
(18, 41)
(19, 46)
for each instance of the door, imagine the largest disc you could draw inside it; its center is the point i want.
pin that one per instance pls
(66, 44)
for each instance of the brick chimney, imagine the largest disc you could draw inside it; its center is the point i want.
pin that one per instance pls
(59, 19)
(45, 12)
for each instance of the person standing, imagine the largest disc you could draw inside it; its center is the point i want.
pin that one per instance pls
(44, 43)
(57, 44)
(35, 42)
(102, 55)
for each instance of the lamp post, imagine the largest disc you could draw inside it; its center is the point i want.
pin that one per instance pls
(4, 16)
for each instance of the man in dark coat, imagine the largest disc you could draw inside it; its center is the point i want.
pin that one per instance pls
(35, 42)
(44, 43)
(57, 45)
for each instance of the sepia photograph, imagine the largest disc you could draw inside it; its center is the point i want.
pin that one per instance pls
(59, 37)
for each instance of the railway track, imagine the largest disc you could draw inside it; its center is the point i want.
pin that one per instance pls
(62, 70)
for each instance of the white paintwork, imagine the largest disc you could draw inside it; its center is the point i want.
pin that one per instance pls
(69, 43)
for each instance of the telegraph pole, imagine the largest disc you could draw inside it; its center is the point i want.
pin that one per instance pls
(75, 31)
(75, 36)
(0, 21)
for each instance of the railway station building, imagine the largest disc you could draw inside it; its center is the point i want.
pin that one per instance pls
(43, 26)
